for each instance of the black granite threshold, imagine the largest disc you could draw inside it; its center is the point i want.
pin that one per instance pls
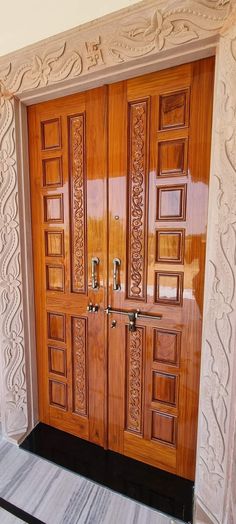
(150, 486)
(18, 512)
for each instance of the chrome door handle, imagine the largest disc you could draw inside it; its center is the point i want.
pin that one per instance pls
(116, 263)
(95, 262)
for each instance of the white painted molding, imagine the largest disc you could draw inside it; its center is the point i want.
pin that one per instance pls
(148, 36)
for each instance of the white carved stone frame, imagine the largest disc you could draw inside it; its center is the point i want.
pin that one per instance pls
(147, 37)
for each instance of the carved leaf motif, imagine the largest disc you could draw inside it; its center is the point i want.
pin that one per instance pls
(78, 219)
(134, 380)
(220, 306)
(54, 67)
(79, 366)
(137, 191)
(11, 324)
(171, 26)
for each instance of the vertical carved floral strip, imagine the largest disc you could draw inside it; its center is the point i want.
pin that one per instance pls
(214, 483)
(12, 356)
(79, 365)
(134, 411)
(78, 191)
(138, 121)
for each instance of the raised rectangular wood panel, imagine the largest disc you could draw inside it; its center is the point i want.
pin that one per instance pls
(171, 202)
(52, 172)
(53, 208)
(164, 388)
(57, 361)
(167, 346)
(55, 277)
(58, 394)
(54, 243)
(169, 287)
(51, 134)
(56, 326)
(172, 157)
(174, 110)
(170, 246)
(164, 427)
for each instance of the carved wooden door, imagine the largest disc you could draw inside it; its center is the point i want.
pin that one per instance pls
(68, 148)
(159, 139)
(126, 373)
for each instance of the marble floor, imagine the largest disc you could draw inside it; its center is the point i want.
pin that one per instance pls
(57, 496)
(8, 518)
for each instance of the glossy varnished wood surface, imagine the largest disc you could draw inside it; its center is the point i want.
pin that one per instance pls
(148, 141)
(68, 148)
(159, 152)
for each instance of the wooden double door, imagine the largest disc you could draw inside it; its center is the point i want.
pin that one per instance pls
(119, 190)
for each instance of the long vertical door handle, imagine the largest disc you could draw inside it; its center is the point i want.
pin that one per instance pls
(95, 262)
(116, 264)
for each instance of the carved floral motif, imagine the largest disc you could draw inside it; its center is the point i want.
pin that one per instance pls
(14, 405)
(134, 415)
(219, 323)
(179, 25)
(78, 219)
(79, 366)
(137, 191)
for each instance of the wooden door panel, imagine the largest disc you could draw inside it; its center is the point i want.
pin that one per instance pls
(135, 391)
(158, 186)
(68, 147)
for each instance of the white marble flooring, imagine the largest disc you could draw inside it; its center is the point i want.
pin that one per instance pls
(57, 496)
(8, 518)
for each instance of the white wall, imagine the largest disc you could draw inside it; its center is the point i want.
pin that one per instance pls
(23, 22)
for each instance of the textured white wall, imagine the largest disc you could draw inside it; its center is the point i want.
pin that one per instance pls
(27, 21)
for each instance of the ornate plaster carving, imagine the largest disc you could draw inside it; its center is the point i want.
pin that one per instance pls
(220, 299)
(150, 29)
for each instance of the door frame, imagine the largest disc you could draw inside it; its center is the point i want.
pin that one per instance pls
(128, 43)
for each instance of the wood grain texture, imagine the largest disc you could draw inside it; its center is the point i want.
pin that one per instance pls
(65, 147)
(176, 190)
(135, 392)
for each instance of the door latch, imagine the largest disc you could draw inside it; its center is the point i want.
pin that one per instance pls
(132, 315)
(92, 308)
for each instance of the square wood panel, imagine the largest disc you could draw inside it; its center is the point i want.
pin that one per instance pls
(53, 208)
(164, 427)
(55, 278)
(52, 172)
(167, 346)
(174, 110)
(54, 243)
(164, 388)
(172, 157)
(169, 287)
(171, 202)
(51, 134)
(56, 326)
(170, 246)
(57, 361)
(58, 394)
